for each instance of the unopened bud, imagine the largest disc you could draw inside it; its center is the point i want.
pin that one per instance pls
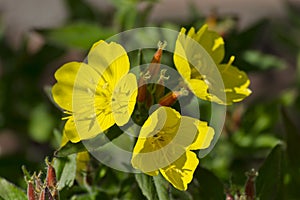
(142, 90)
(46, 194)
(172, 97)
(51, 176)
(31, 195)
(154, 66)
(250, 191)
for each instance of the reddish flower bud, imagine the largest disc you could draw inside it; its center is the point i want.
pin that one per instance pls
(250, 191)
(142, 90)
(31, 195)
(51, 177)
(154, 67)
(169, 99)
(46, 194)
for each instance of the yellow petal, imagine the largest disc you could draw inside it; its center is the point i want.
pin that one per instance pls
(213, 43)
(64, 140)
(124, 98)
(180, 60)
(199, 88)
(180, 173)
(204, 136)
(110, 60)
(63, 89)
(236, 83)
(70, 131)
(153, 173)
(86, 103)
(151, 151)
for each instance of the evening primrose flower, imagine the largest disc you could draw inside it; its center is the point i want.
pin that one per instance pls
(194, 64)
(165, 143)
(97, 94)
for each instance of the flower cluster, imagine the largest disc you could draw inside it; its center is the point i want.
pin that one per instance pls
(101, 92)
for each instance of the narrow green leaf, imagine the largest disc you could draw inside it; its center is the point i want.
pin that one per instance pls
(293, 148)
(9, 191)
(162, 187)
(65, 170)
(147, 186)
(269, 182)
(208, 185)
(93, 144)
(69, 148)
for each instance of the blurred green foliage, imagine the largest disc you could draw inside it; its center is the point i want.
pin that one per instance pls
(260, 133)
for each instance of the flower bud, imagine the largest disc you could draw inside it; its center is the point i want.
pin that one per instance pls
(46, 194)
(250, 184)
(51, 177)
(31, 195)
(154, 66)
(170, 98)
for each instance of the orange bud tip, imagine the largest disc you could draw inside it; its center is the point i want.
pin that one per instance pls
(169, 99)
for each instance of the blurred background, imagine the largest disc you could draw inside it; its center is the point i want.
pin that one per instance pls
(38, 36)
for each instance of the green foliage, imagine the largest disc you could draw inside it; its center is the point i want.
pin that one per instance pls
(8, 191)
(66, 170)
(147, 186)
(270, 179)
(209, 186)
(79, 35)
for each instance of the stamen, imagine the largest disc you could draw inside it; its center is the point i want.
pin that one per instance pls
(104, 86)
(163, 75)
(147, 75)
(231, 59)
(162, 45)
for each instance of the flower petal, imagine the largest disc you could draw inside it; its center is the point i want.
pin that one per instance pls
(180, 173)
(124, 98)
(204, 136)
(236, 83)
(70, 130)
(199, 88)
(154, 148)
(212, 42)
(110, 60)
(63, 89)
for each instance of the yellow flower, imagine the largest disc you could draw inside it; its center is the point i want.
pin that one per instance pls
(224, 84)
(165, 143)
(96, 94)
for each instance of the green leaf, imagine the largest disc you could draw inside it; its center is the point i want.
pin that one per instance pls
(153, 187)
(147, 186)
(263, 61)
(65, 170)
(94, 144)
(162, 187)
(269, 182)
(70, 148)
(9, 191)
(208, 185)
(41, 123)
(293, 148)
(78, 35)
